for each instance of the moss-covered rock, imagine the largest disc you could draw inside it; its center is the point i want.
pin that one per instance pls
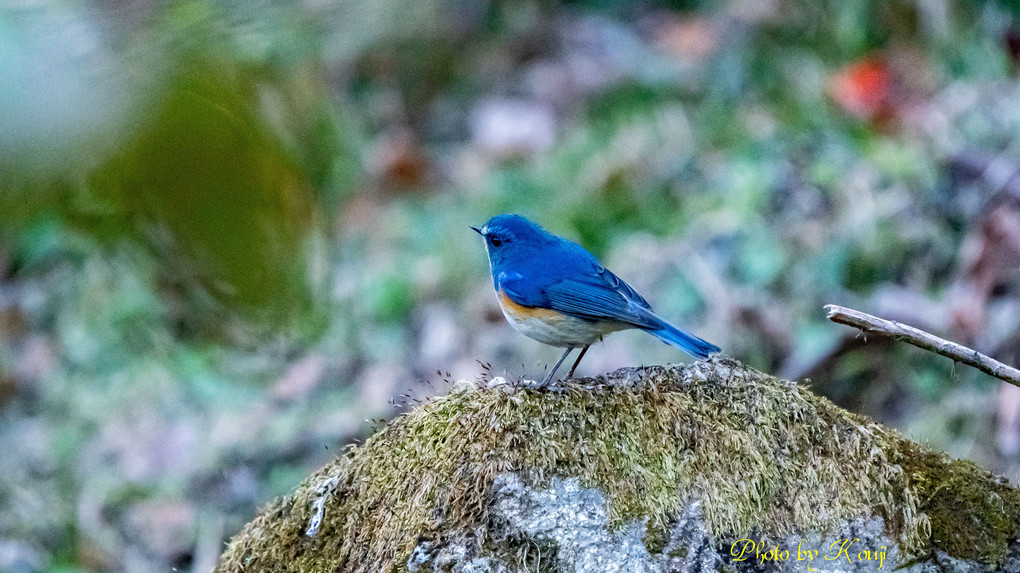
(653, 469)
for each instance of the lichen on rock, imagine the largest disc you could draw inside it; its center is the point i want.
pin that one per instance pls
(653, 469)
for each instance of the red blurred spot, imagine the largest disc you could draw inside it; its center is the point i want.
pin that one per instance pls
(864, 89)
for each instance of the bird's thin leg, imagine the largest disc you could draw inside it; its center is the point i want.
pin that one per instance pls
(578, 361)
(552, 372)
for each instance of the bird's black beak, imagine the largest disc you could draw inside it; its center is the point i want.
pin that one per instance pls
(477, 230)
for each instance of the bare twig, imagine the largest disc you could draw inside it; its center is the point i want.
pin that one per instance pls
(922, 339)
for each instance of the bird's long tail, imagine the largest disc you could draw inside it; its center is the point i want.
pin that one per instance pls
(689, 343)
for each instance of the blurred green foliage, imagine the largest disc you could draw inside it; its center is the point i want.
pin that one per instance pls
(226, 174)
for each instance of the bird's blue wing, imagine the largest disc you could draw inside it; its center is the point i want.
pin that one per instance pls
(572, 281)
(600, 295)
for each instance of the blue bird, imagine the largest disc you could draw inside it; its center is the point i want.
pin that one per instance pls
(558, 293)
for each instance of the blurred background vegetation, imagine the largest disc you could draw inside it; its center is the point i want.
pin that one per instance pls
(234, 234)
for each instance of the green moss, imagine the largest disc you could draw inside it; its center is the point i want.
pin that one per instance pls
(762, 455)
(971, 514)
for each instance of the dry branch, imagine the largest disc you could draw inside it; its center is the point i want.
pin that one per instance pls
(922, 339)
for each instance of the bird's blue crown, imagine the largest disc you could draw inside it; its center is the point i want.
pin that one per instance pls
(513, 237)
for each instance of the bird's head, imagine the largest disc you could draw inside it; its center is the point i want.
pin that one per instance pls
(509, 237)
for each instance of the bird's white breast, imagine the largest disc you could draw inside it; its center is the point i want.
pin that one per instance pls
(552, 327)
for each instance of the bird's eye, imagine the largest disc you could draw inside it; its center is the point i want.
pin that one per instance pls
(495, 241)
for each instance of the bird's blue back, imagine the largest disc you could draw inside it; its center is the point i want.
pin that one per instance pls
(538, 269)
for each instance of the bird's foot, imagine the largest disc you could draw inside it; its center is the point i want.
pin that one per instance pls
(546, 385)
